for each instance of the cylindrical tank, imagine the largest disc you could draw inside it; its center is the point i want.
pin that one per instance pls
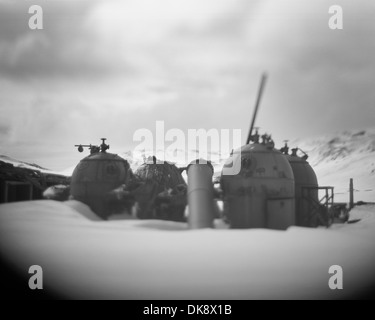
(200, 194)
(95, 176)
(261, 195)
(305, 193)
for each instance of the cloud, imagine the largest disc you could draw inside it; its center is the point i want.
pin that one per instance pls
(62, 49)
(318, 76)
(92, 38)
(108, 68)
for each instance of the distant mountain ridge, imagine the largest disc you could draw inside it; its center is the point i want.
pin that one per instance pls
(31, 166)
(339, 156)
(339, 145)
(19, 163)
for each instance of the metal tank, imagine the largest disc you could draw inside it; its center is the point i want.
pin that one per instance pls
(261, 195)
(306, 188)
(260, 191)
(162, 194)
(96, 176)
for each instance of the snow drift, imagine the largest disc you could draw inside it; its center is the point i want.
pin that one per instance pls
(85, 258)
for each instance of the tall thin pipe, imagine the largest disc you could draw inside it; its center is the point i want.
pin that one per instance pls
(351, 194)
(260, 92)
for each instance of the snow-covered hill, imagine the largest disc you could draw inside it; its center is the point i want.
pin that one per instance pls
(22, 164)
(32, 166)
(340, 156)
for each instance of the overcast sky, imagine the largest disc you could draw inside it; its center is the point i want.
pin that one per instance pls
(107, 68)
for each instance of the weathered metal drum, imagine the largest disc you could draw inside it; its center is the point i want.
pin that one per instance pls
(162, 195)
(166, 175)
(261, 195)
(95, 176)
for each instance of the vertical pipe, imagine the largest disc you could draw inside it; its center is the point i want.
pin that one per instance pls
(200, 194)
(260, 92)
(351, 194)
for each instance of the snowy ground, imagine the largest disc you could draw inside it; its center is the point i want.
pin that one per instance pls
(82, 257)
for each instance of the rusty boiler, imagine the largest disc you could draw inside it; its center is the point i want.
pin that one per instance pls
(261, 195)
(96, 176)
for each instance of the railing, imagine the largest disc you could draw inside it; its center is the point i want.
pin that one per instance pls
(319, 206)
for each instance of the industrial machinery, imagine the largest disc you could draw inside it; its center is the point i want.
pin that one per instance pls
(163, 193)
(96, 176)
(106, 183)
(261, 195)
(273, 189)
